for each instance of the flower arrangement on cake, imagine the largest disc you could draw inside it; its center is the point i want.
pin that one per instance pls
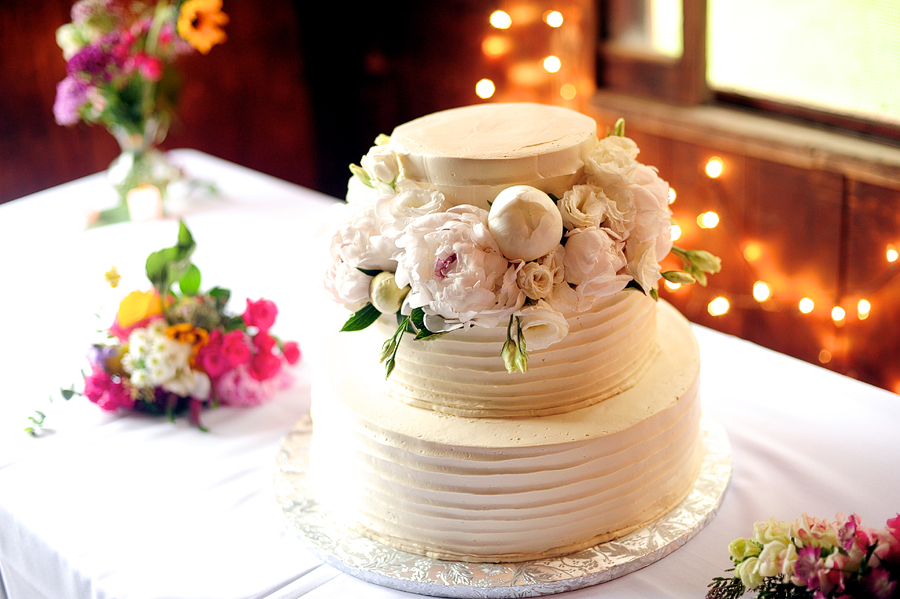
(814, 558)
(120, 73)
(403, 249)
(185, 352)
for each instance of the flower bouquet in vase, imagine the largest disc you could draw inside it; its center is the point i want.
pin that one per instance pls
(120, 73)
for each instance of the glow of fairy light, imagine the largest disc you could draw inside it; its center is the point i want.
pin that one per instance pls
(568, 91)
(714, 167)
(838, 314)
(500, 19)
(718, 306)
(673, 286)
(495, 46)
(806, 305)
(708, 220)
(484, 89)
(863, 308)
(553, 18)
(761, 291)
(676, 232)
(753, 251)
(824, 356)
(892, 254)
(552, 64)
(672, 195)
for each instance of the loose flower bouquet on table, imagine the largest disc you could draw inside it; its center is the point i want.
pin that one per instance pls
(813, 558)
(174, 349)
(120, 73)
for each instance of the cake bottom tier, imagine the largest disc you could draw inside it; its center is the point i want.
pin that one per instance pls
(500, 489)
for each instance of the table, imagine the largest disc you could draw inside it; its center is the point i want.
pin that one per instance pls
(105, 505)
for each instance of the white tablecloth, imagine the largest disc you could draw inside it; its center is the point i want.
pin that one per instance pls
(114, 506)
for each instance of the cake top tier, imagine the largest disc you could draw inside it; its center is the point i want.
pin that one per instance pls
(473, 152)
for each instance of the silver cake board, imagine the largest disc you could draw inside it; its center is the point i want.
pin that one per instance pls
(337, 545)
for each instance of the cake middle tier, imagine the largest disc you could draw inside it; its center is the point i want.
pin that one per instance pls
(607, 350)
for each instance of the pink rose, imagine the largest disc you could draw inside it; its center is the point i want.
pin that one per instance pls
(264, 342)
(260, 314)
(235, 348)
(291, 352)
(264, 366)
(212, 360)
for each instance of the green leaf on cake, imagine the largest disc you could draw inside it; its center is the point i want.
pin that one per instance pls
(417, 317)
(361, 319)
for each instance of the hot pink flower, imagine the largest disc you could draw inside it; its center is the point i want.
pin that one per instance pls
(291, 352)
(235, 348)
(100, 388)
(264, 366)
(264, 342)
(238, 388)
(212, 360)
(260, 314)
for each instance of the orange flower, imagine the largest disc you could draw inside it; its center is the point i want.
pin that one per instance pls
(201, 22)
(190, 335)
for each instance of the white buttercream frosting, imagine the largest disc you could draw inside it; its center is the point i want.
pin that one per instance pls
(605, 352)
(507, 489)
(474, 152)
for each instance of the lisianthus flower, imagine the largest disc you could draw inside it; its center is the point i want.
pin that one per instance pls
(201, 22)
(103, 390)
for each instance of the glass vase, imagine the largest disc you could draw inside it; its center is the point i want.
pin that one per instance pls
(139, 165)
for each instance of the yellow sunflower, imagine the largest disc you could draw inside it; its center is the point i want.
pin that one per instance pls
(201, 22)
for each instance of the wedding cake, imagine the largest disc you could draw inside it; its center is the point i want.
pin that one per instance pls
(508, 386)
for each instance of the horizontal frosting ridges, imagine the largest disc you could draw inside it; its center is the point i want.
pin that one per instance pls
(606, 351)
(495, 489)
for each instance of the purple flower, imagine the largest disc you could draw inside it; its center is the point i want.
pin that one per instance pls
(71, 95)
(99, 355)
(92, 60)
(806, 568)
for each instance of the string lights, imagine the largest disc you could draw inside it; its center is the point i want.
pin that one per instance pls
(536, 56)
(773, 291)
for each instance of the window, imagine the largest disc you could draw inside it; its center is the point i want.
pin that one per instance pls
(833, 61)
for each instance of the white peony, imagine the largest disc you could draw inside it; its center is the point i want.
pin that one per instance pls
(542, 326)
(525, 223)
(456, 271)
(363, 241)
(592, 262)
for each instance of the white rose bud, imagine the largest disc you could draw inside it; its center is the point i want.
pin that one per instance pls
(384, 293)
(381, 164)
(525, 223)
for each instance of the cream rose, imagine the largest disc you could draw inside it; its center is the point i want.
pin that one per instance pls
(525, 223)
(542, 326)
(583, 206)
(535, 279)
